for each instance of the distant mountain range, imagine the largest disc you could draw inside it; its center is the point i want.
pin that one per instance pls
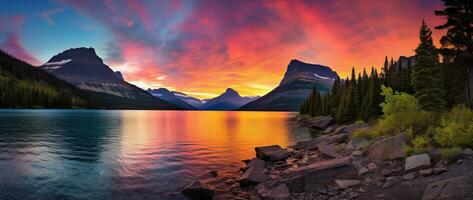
(84, 69)
(300, 78)
(179, 98)
(229, 100)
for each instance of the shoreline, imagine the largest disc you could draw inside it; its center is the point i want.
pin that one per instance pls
(336, 165)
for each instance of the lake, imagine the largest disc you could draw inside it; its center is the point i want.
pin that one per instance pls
(97, 154)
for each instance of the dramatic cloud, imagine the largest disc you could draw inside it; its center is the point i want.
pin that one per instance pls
(10, 38)
(202, 47)
(48, 15)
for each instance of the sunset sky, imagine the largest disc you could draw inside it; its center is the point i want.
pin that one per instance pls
(203, 47)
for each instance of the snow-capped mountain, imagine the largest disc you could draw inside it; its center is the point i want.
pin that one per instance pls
(296, 85)
(84, 69)
(178, 98)
(229, 100)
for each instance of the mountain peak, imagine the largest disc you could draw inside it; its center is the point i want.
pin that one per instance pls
(298, 70)
(81, 53)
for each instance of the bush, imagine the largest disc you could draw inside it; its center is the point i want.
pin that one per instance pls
(367, 133)
(401, 112)
(456, 128)
(450, 154)
(420, 144)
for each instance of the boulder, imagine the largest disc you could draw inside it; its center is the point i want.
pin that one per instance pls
(416, 162)
(327, 151)
(360, 168)
(454, 188)
(467, 152)
(343, 183)
(390, 181)
(254, 174)
(280, 192)
(312, 143)
(198, 191)
(307, 178)
(322, 122)
(338, 138)
(390, 148)
(271, 153)
(329, 129)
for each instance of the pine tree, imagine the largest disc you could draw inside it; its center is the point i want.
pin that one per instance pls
(427, 79)
(457, 49)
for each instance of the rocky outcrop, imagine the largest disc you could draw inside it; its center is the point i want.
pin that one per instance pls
(453, 188)
(271, 153)
(416, 162)
(390, 148)
(321, 123)
(307, 178)
(254, 174)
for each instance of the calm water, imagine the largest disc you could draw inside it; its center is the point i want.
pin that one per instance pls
(90, 154)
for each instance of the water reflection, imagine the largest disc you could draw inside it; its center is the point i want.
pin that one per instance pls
(127, 154)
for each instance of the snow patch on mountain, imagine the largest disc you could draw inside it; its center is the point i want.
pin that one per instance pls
(62, 62)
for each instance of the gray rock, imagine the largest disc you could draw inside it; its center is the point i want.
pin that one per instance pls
(338, 138)
(360, 168)
(322, 122)
(425, 172)
(197, 190)
(324, 172)
(342, 183)
(390, 181)
(416, 162)
(329, 129)
(327, 151)
(390, 148)
(467, 152)
(254, 174)
(271, 153)
(312, 143)
(454, 188)
(410, 176)
(439, 170)
(280, 192)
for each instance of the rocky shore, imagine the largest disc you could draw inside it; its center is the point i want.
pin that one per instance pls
(336, 165)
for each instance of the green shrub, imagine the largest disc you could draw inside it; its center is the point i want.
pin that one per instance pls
(456, 128)
(450, 154)
(367, 133)
(401, 112)
(420, 144)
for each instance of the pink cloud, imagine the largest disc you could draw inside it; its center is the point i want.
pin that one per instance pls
(10, 28)
(207, 46)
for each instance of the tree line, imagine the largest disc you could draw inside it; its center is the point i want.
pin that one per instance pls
(440, 78)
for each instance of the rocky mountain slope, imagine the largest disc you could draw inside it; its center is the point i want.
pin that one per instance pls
(296, 85)
(84, 69)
